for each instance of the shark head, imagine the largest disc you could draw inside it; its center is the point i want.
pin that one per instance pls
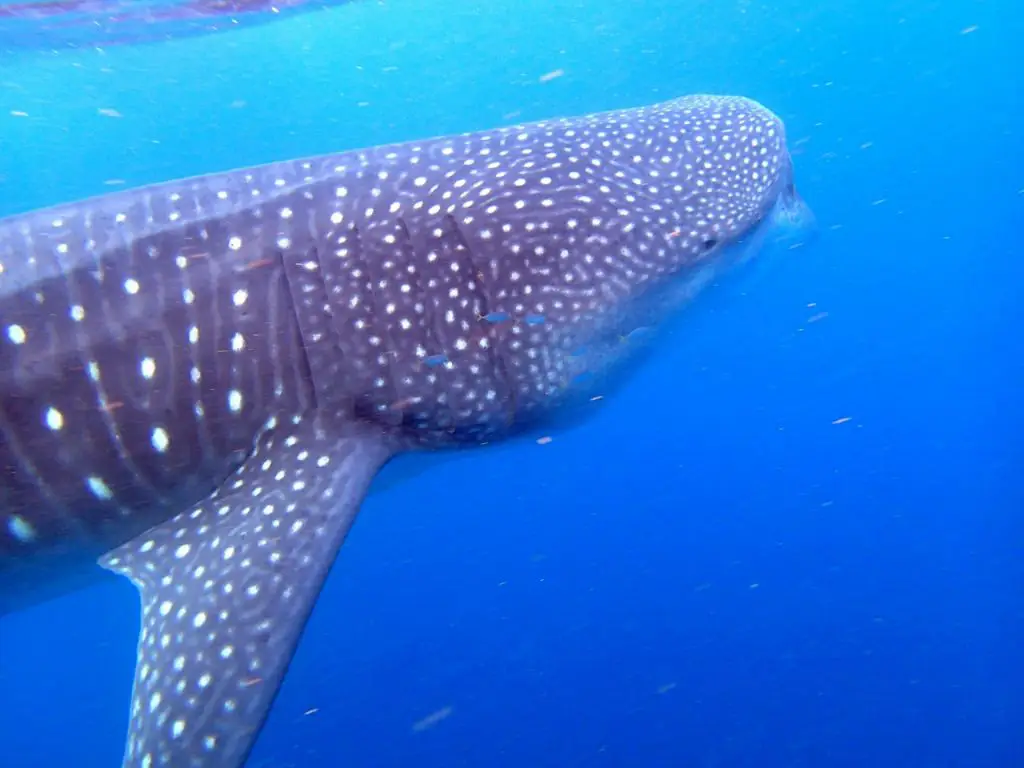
(723, 168)
(674, 195)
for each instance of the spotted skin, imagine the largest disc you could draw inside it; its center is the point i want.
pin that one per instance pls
(238, 577)
(199, 380)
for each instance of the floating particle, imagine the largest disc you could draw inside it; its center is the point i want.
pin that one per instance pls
(552, 75)
(969, 30)
(543, 440)
(842, 420)
(18, 113)
(432, 719)
(107, 112)
(817, 317)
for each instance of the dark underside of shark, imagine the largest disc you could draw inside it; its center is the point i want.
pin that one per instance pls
(200, 379)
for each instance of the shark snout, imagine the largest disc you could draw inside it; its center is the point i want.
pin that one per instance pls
(794, 221)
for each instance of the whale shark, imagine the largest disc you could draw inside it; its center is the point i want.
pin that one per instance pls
(200, 379)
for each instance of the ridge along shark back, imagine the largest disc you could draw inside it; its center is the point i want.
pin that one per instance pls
(200, 379)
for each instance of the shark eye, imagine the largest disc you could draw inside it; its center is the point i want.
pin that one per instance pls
(710, 243)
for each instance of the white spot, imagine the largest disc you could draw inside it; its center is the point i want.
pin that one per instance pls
(98, 488)
(21, 529)
(199, 620)
(235, 243)
(182, 551)
(147, 367)
(131, 286)
(54, 419)
(235, 400)
(160, 439)
(240, 297)
(178, 728)
(78, 313)
(16, 334)
(238, 342)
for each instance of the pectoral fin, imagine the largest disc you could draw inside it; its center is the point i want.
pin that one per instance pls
(226, 589)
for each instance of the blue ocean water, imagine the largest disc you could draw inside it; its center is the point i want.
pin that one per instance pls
(793, 539)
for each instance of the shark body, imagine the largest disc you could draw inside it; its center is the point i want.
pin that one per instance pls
(200, 379)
